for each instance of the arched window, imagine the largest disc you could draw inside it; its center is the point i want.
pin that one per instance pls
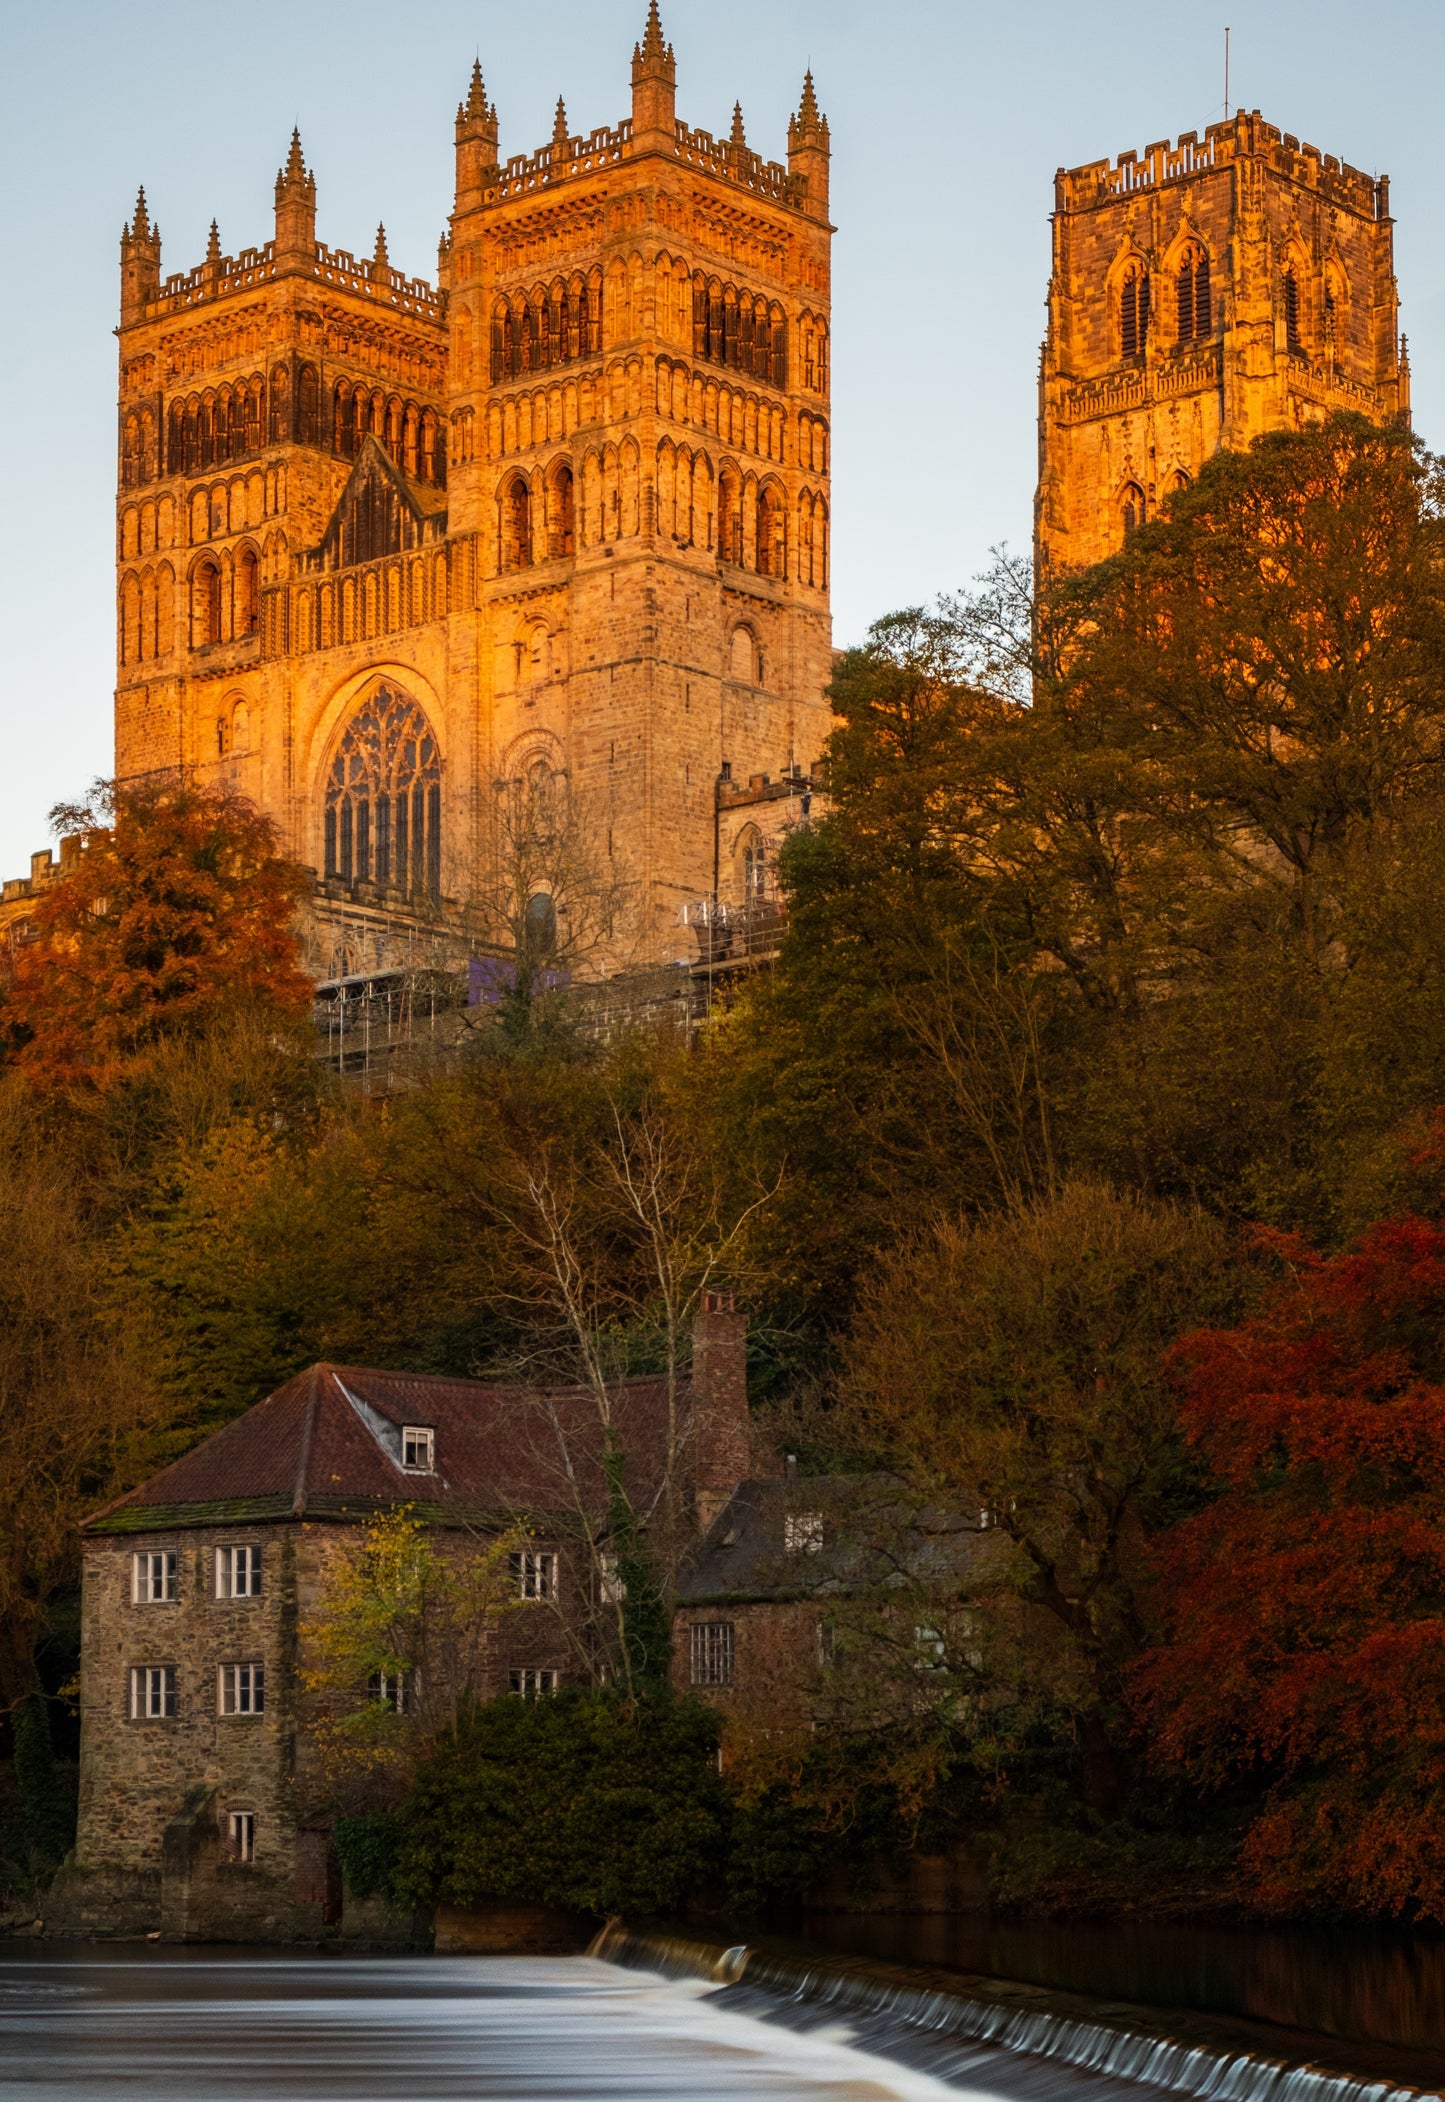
(539, 925)
(130, 452)
(248, 592)
(280, 423)
(1332, 305)
(205, 604)
(1134, 311)
(1131, 507)
(384, 798)
(240, 728)
(1290, 287)
(752, 868)
(343, 420)
(1195, 310)
(772, 538)
(730, 518)
(308, 406)
(1180, 481)
(176, 441)
(516, 524)
(564, 513)
(743, 657)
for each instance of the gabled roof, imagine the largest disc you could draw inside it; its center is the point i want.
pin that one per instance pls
(829, 1535)
(329, 1445)
(380, 511)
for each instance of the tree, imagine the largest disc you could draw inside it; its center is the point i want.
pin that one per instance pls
(1306, 1634)
(78, 1410)
(400, 1645)
(176, 910)
(1013, 1369)
(583, 1800)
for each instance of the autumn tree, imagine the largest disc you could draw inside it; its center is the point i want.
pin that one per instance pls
(1011, 1370)
(175, 911)
(1306, 1651)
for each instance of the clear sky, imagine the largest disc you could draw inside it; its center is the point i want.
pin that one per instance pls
(948, 118)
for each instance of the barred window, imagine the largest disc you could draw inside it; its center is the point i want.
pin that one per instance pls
(240, 1689)
(1134, 312)
(712, 1653)
(238, 1572)
(532, 1679)
(152, 1692)
(535, 1575)
(153, 1578)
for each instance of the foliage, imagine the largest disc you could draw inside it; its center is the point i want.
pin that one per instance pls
(1012, 1369)
(177, 906)
(401, 1603)
(1306, 1633)
(587, 1801)
(368, 1848)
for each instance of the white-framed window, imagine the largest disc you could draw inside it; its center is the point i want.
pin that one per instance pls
(238, 1572)
(241, 1834)
(240, 1689)
(418, 1446)
(532, 1678)
(394, 1689)
(153, 1577)
(535, 1574)
(803, 1533)
(152, 1692)
(712, 1653)
(611, 1585)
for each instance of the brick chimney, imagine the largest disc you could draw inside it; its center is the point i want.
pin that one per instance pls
(720, 1401)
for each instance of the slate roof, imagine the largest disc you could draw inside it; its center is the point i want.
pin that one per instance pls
(847, 1533)
(328, 1445)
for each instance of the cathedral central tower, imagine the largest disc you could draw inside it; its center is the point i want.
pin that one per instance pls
(397, 558)
(1202, 295)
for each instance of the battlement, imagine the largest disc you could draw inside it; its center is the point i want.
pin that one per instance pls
(564, 160)
(1245, 135)
(222, 277)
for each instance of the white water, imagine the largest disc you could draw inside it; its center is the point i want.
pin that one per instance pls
(172, 2026)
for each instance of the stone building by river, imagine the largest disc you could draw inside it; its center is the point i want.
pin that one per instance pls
(203, 1809)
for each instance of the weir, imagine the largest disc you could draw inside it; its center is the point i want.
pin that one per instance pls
(938, 2023)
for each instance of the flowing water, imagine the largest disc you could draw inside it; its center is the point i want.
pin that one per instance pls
(175, 2026)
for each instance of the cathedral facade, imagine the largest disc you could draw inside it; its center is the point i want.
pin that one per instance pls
(1201, 295)
(409, 564)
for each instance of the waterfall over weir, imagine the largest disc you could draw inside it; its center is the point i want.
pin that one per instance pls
(962, 2031)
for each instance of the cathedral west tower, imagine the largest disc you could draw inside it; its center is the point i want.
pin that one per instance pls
(392, 553)
(1201, 295)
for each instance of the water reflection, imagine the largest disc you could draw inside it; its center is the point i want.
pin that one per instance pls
(206, 2027)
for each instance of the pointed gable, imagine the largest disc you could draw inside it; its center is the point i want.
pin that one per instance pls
(381, 512)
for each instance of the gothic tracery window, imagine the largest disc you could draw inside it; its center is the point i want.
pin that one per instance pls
(384, 798)
(1134, 311)
(1131, 507)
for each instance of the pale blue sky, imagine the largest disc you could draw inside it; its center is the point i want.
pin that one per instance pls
(948, 118)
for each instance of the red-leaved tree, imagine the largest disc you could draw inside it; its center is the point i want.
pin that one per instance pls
(1307, 1602)
(177, 910)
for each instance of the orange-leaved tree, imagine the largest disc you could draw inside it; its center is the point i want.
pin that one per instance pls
(1307, 1600)
(177, 909)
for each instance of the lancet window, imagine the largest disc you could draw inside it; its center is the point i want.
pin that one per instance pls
(1134, 311)
(516, 524)
(409, 434)
(384, 798)
(1290, 288)
(1195, 309)
(534, 333)
(1131, 507)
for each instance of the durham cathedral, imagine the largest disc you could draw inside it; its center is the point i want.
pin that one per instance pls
(419, 568)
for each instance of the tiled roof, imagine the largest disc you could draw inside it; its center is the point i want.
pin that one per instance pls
(822, 1535)
(328, 1444)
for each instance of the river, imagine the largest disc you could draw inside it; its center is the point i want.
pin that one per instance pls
(172, 2025)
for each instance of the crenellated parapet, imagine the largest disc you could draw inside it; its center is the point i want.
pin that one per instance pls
(1245, 135)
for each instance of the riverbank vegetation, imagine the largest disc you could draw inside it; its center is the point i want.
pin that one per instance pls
(1079, 1163)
